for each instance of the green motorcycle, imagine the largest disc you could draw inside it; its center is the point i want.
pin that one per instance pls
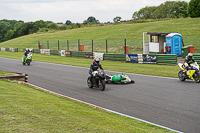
(121, 79)
(27, 60)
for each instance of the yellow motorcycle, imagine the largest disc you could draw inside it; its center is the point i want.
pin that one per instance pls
(193, 72)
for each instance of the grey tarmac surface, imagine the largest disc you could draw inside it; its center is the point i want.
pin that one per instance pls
(164, 101)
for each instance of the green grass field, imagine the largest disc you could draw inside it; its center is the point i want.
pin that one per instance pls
(4, 73)
(26, 109)
(187, 27)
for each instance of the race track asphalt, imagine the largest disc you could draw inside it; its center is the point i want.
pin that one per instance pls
(164, 101)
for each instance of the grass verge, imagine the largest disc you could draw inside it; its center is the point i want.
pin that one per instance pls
(148, 69)
(26, 109)
(4, 73)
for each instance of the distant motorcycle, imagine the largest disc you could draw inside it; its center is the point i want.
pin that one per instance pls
(193, 72)
(121, 78)
(97, 80)
(27, 60)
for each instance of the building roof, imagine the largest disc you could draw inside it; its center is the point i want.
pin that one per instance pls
(173, 34)
(158, 33)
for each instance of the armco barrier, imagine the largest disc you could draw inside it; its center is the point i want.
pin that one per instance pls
(166, 59)
(13, 49)
(54, 52)
(36, 51)
(16, 77)
(197, 58)
(78, 54)
(169, 59)
(115, 57)
(3, 49)
(7, 49)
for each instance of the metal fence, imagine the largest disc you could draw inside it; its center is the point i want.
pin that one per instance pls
(107, 46)
(104, 46)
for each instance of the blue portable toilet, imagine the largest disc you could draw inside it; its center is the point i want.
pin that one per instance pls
(174, 44)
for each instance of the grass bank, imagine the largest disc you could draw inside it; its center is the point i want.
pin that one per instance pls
(4, 73)
(187, 27)
(148, 69)
(27, 109)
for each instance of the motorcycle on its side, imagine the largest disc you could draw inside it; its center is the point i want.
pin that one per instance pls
(193, 72)
(97, 79)
(119, 79)
(27, 60)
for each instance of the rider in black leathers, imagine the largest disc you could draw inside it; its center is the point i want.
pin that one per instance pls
(94, 66)
(25, 54)
(188, 60)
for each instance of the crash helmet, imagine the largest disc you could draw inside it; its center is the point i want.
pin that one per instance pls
(96, 60)
(190, 55)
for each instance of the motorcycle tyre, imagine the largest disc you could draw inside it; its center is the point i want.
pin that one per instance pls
(89, 83)
(197, 79)
(23, 63)
(181, 78)
(102, 85)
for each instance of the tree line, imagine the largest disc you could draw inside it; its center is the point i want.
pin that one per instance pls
(10, 29)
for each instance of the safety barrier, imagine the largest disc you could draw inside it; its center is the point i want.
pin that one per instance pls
(36, 51)
(78, 54)
(16, 77)
(9, 49)
(115, 57)
(54, 52)
(197, 57)
(166, 59)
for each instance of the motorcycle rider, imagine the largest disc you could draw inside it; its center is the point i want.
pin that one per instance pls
(25, 54)
(94, 66)
(188, 60)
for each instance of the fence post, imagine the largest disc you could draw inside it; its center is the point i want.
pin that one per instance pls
(47, 44)
(68, 45)
(78, 45)
(106, 46)
(92, 45)
(125, 46)
(39, 44)
(58, 45)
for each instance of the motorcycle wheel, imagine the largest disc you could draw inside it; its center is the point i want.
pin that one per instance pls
(23, 63)
(28, 62)
(180, 76)
(196, 77)
(102, 85)
(89, 83)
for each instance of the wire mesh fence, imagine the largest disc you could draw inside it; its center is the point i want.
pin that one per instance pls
(104, 46)
(107, 46)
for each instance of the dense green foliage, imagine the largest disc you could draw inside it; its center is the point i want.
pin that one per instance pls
(194, 8)
(91, 20)
(170, 9)
(10, 29)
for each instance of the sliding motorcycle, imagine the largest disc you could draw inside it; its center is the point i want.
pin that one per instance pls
(193, 72)
(120, 79)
